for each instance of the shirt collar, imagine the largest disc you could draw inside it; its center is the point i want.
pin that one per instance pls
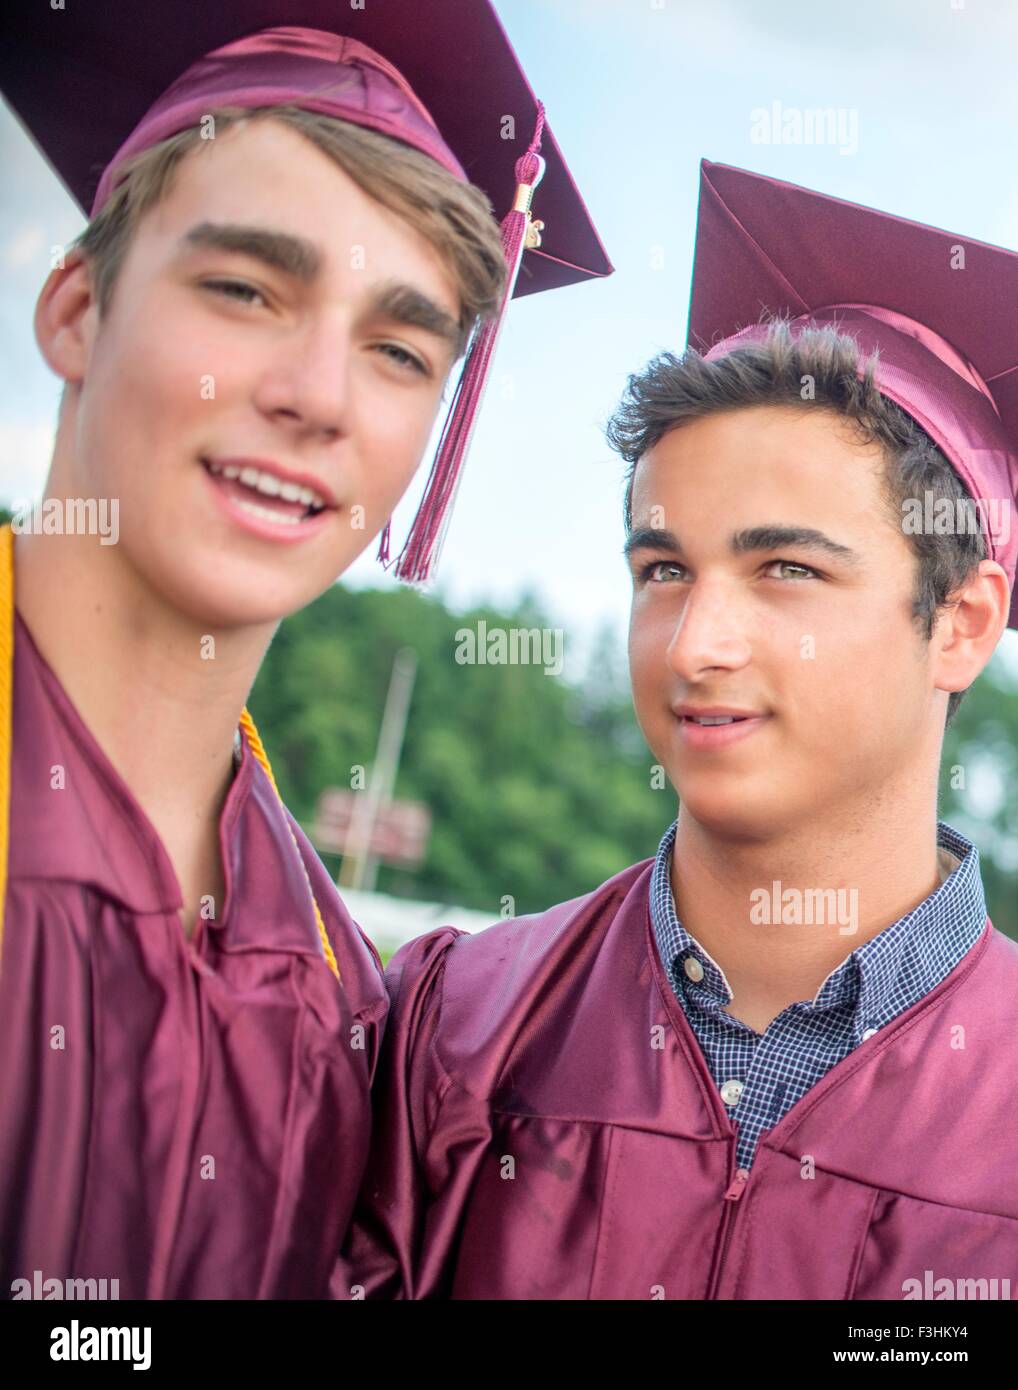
(906, 960)
(879, 979)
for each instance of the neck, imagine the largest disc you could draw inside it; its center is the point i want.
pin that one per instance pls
(141, 676)
(880, 864)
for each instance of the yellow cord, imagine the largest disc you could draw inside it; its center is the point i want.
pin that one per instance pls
(258, 749)
(6, 702)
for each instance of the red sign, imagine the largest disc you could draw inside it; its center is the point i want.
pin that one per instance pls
(399, 835)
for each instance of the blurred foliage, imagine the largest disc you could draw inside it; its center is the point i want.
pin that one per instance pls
(981, 754)
(537, 790)
(540, 789)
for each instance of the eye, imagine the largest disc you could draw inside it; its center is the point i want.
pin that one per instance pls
(402, 358)
(234, 289)
(806, 571)
(664, 571)
(651, 571)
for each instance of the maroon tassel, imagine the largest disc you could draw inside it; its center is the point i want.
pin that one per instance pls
(419, 556)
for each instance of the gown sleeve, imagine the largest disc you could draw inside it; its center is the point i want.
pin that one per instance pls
(381, 1257)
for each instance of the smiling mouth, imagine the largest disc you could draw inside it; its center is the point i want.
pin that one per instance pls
(715, 732)
(265, 496)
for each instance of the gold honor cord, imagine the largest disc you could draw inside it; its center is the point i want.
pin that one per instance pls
(258, 749)
(6, 704)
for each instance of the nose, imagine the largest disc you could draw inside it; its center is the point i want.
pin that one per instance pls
(710, 632)
(307, 385)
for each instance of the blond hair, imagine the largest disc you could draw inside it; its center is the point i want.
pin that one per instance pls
(456, 218)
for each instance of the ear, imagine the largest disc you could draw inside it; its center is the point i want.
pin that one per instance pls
(968, 630)
(66, 318)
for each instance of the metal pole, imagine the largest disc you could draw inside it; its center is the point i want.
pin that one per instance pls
(359, 868)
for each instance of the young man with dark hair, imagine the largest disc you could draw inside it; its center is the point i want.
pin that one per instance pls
(284, 260)
(771, 1061)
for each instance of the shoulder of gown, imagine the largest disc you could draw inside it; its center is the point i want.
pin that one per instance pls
(479, 989)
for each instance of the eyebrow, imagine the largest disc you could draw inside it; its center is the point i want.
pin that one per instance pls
(301, 260)
(404, 304)
(291, 254)
(749, 541)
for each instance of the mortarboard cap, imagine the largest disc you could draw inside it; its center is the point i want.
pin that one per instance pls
(96, 84)
(939, 310)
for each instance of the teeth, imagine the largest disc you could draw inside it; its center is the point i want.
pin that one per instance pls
(715, 719)
(269, 513)
(268, 484)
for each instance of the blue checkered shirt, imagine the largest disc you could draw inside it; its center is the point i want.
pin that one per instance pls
(878, 981)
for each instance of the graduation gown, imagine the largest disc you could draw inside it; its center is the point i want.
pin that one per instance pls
(189, 1117)
(547, 1128)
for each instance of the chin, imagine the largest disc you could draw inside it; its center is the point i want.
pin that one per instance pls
(248, 607)
(728, 815)
(221, 596)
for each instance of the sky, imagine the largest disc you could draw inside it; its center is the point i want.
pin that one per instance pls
(637, 92)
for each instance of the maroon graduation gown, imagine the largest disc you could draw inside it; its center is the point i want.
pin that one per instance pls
(190, 1118)
(547, 1128)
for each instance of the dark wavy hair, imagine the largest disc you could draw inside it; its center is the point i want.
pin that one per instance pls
(672, 389)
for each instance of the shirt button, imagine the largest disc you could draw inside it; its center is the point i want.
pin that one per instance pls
(868, 1033)
(731, 1091)
(693, 969)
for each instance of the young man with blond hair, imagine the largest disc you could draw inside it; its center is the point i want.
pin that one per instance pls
(284, 260)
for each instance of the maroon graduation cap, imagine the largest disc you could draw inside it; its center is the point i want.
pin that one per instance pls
(96, 83)
(938, 311)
